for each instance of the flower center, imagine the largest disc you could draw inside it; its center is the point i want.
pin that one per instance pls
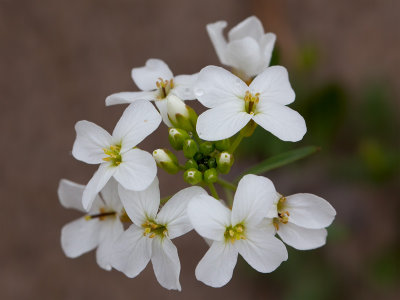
(151, 229)
(164, 87)
(283, 215)
(234, 233)
(114, 155)
(251, 102)
(102, 215)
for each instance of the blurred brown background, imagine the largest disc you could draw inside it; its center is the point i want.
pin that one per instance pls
(60, 59)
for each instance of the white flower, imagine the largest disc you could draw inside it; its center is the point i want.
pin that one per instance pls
(248, 49)
(233, 104)
(149, 238)
(300, 220)
(241, 230)
(98, 229)
(156, 81)
(133, 168)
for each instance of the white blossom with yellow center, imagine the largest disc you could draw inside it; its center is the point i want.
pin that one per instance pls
(242, 230)
(156, 81)
(300, 220)
(117, 154)
(150, 235)
(233, 104)
(98, 228)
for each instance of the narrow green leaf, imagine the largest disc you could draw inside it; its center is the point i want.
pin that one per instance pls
(280, 160)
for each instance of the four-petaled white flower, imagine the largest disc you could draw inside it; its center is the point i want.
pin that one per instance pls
(300, 219)
(133, 168)
(242, 230)
(99, 228)
(149, 238)
(248, 49)
(156, 81)
(233, 104)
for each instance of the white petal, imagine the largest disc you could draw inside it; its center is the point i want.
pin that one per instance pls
(146, 77)
(302, 238)
(251, 26)
(267, 44)
(245, 55)
(274, 86)
(138, 121)
(111, 230)
(141, 205)
(90, 141)
(222, 122)
(166, 264)
(173, 214)
(209, 217)
(281, 121)
(131, 252)
(96, 184)
(309, 211)
(80, 236)
(129, 97)
(183, 86)
(163, 109)
(215, 32)
(216, 86)
(137, 170)
(262, 250)
(70, 194)
(216, 267)
(253, 199)
(110, 195)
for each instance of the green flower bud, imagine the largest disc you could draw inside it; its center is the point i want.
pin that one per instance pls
(176, 137)
(166, 160)
(224, 162)
(180, 114)
(191, 164)
(202, 167)
(212, 162)
(206, 148)
(210, 175)
(192, 176)
(198, 156)
(223, 145)
(190, 148)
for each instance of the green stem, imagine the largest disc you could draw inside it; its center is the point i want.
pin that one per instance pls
(164, 200)
(236, 142)
(226, 184)
(213, 191)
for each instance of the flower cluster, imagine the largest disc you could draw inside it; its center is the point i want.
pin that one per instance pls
(124, 217)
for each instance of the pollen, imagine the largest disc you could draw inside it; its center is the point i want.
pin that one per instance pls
(164, 87)
(102, 215)
(114, 155)
(251, 102)
(283, 215)
(234, 233)
(152, 229)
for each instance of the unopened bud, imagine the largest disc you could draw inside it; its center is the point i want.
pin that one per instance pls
(223, 145)
(180, 114)
(190, 148)
(224, 162)
(166, 160)
(176, 137)
(192, 176)
(206, 148)
(191, 164)
(210, 175)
